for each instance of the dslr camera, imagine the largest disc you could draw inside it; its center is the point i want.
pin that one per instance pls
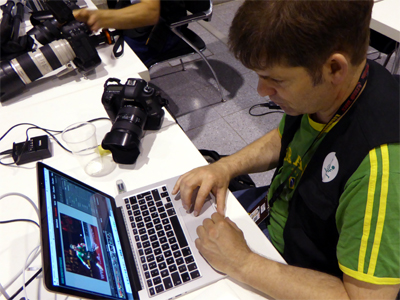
(64, 39)
(132, 107)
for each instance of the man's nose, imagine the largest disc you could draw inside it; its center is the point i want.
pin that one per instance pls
(264, 89)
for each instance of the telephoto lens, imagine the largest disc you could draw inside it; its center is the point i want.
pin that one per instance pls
(19, 72)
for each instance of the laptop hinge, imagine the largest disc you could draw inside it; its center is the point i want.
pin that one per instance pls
(131, 260)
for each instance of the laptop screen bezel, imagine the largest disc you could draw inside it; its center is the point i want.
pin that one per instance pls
(45, 240)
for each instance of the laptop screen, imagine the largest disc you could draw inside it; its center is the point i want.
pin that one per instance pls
(82, 249)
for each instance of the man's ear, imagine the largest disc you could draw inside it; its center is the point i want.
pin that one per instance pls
(337, 68)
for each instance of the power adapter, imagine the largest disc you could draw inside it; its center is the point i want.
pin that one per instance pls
(37, 148)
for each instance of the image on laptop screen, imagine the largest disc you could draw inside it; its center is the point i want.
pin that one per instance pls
(85, 253)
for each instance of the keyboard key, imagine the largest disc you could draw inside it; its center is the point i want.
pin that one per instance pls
(141, 202)
(135, 231)
(138, 218)
(171, 212)
(132, 219)
(168, 199)
(150, 203)
(152, 209)
(159, 203)
(165, 194)
(186, 251)
(178, 231)
(143, 207)
(148, 251)
(172, 240)
(162, 266)
(147, 219)
(159, 227)
(157, 280)
(142, 231)
(145, 213)
(130, 212)
(152, 265)
(195, 274)
(147, 275)
(149, 225)
(143, 259)
(168, 205)
(156, 195)
(156, 221)
(152, 292)
(137, 238)
(192, 267)
(160, 233)
(179, 261)
(161, 209)
(128, 206)
(177, 254)
(167, 253)
(148, 198)
(163, 215)
(170, 260)
(185, 277)
(139, 245)
(172, 268)
(151, 231)
(149, 283)
(164, 273)
(154, 215)
(160, 258)
(165, 246)
(155, 244)
(140, 224)
(189, 259)
(167, 227)
(153, 238)
(146, 244)
(176, 278)
(157, 251)
(167, 283)
(141, 253)
(145, 267)
(155, 273)
(126, 200)
(165, 221)
(174, 247)
(164, 188)
(159, 288)
(182, 268)
(163, 240)
(170, 233)
(144, 237)
(150, 258)
(133, 200)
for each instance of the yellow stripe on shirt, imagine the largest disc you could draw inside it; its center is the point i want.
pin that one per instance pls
(368, 210)
(382, 209)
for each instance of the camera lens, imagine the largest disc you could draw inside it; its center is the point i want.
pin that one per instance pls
(123, 140)
(20, 71)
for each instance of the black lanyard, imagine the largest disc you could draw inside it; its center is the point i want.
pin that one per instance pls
(346, 105)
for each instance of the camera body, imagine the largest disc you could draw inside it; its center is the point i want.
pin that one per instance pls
(132, 107)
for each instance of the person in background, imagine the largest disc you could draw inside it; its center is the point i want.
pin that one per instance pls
(334, 199)
(144, 23)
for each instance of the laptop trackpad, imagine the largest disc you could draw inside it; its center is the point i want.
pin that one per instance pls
(191, 222)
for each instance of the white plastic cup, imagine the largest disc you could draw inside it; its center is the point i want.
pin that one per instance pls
(81, 140)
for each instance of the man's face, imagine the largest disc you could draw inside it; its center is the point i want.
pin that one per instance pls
(292, 88)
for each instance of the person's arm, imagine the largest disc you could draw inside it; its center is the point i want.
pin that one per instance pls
(144, 13)
(261, 155)
(223, 245)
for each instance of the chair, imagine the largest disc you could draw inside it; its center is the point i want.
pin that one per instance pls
(190, 43)
(383, 44)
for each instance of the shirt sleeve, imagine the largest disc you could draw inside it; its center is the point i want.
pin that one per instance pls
(281, 126)
(368, 219)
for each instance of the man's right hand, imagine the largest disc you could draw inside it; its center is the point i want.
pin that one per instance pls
(213, 178)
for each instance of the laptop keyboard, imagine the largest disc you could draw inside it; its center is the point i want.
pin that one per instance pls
(164, 253)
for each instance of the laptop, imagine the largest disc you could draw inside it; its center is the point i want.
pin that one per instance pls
(139, 245)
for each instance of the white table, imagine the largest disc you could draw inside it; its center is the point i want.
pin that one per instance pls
(386, 20)
(56, 103)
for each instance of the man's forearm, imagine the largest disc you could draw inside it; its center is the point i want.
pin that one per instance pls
(259, 156)
(289, 282)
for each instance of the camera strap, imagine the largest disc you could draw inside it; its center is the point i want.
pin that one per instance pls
(343, 109)
(118, 48)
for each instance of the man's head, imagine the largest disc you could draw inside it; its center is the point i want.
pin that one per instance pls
(302, 33)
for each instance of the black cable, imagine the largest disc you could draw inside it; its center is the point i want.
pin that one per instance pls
(33, 126)
(270, 105)
(19, 220)
(26, 284)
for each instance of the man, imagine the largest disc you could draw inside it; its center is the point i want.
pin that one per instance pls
(143, 23)
(334, 198)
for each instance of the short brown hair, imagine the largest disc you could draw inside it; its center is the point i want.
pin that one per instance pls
(300, 33)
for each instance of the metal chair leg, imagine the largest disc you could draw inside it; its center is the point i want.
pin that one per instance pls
(203, 57)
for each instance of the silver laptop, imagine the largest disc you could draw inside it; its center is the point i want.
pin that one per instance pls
(137, 246)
